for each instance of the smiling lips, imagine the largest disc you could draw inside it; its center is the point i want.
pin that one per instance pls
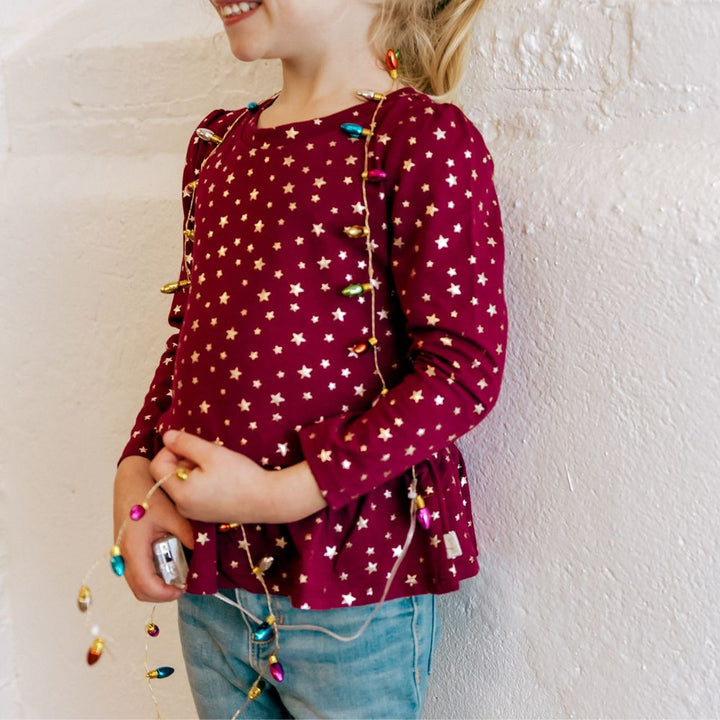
(234, 11)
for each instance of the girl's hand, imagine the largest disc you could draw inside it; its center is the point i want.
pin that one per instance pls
(227, 487)
(132, 482)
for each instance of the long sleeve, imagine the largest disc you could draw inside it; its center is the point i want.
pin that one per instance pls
(446, 264)
(145, 437)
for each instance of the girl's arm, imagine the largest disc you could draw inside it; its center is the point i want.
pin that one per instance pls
(133, 479)
(144, 438)
(447, 268)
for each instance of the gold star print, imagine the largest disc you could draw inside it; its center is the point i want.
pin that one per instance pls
(235, 374)
(325, 455)
(431, 210)
(223, 221)
(292, 133)
(224, 298)
(318, 229)
(204, 407)
(417, 396)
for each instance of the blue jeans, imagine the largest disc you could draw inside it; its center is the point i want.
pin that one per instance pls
(381, 674)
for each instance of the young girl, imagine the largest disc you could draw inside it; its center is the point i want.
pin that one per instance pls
(340, 322)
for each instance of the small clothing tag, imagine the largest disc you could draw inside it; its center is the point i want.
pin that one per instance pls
(452, 545)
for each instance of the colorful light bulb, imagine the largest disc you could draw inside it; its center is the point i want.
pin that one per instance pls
(161, 672)
(371, 95)
(391, 63)
(276, 668)
(375, 176)
(152, 629)
(172, 287)
(356, 289)
(117, 561)
(354, 130)
(138, 511)
(253, 107)
(265, 631)
(256, 690)
(227, 527)
(263, 566)
(423, 514)
(95, 651)
(208, 136)
(356, 231)
(360, 349)
(84, 598)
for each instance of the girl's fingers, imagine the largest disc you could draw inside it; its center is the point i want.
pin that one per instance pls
(188, 446)
(145, 583)
(164, 463)
(184, 534)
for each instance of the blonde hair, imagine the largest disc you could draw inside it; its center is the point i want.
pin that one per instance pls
(433, 38)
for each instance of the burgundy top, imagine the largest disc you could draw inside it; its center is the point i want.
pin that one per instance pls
(263, 360)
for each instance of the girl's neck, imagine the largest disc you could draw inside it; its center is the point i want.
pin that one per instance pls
(322, 86)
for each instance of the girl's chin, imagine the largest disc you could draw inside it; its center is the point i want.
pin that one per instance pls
(244, 52)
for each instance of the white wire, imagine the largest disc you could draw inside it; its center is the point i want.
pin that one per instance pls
(378, 605)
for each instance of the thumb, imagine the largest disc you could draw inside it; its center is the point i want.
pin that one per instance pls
(187, 446)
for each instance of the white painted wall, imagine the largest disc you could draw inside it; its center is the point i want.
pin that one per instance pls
(595, 478)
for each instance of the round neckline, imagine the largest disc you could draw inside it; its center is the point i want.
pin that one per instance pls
(306, 128)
